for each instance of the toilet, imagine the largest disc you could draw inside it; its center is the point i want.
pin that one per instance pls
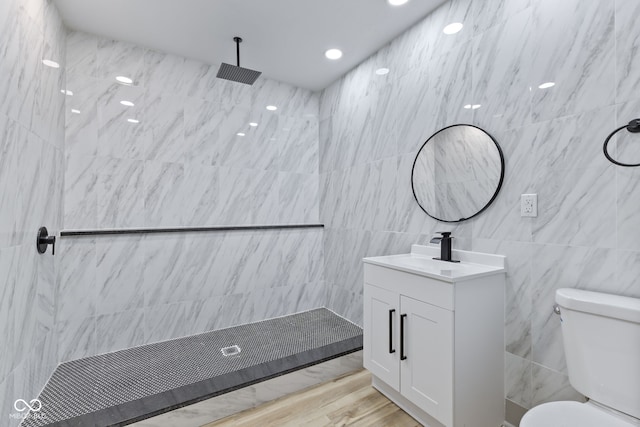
(601, 335)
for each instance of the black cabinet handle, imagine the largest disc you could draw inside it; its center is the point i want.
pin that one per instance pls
(391, 349)
(402, 355)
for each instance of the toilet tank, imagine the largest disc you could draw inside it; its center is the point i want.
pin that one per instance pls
(601, 334)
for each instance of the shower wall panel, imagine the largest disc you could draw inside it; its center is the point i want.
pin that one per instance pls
(175, 158)
(31, 183)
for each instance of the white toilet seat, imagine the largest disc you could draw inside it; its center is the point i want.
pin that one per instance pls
(574, 414)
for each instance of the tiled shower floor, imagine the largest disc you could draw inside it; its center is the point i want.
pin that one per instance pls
(128, 385)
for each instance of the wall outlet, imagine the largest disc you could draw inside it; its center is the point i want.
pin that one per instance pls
(529, 205)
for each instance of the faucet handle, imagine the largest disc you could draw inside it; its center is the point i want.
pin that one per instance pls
(445, 234)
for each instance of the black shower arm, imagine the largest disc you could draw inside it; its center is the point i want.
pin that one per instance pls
(633, 127)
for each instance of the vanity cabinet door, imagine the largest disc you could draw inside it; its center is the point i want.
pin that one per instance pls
(381, 317)
(427, 372)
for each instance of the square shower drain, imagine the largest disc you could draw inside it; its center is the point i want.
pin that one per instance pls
(230, 351)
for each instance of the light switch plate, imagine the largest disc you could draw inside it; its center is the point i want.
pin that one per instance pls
(529, 205)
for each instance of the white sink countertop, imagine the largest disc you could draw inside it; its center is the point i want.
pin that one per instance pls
(420, 261)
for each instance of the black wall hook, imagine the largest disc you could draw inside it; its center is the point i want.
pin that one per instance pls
(45, 240)
(633, 127)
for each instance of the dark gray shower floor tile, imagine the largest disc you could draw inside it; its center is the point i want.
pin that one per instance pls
(119, 388)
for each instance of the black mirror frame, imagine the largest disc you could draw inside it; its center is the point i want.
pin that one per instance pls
(502, 168)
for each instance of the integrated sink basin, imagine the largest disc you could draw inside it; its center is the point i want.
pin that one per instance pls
(421, 261)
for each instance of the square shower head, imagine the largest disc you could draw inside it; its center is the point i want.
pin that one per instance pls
(238, 74)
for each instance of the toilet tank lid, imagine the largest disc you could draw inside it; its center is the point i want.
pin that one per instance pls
(615, 306)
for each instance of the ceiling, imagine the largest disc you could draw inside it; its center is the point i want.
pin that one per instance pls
(285, 39)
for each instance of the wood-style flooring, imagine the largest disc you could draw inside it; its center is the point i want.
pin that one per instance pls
(346, 401)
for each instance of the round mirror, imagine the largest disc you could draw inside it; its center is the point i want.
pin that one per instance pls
(457, 173)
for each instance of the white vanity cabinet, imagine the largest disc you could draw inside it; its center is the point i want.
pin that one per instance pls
(433, 335)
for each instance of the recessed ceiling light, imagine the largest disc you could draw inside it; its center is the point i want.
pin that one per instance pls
(66, 92)
(397, 2)
(272, 107)
(74, 111)
(382, 71)
(547, 85)
(50, 63)
(135, 121)
(253, 124)
(240, 134)
(475, 106)
(453, 28)
(467, 107)
(127, 103)
(125, 80)
(333, 54)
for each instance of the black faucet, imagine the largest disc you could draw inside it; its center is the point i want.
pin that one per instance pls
(445, 246)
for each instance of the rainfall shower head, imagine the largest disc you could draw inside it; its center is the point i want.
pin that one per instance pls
(237, 73)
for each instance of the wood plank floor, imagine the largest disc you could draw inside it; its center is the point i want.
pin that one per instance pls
(346, 401)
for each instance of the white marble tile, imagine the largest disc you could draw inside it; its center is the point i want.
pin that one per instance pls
(268, 303)
(115, 58)
(119, 274)
(297, 261)
(487, 14)
(200, 194)
(30, 62)
(518, 292)
(501, 66)
(10, 65)
(573, 142)
(24, 296)
(502, 219)
(120, 192)
(81, 192)
(118, 331)
(624, 145)
(77, 279)
(76, 338)
(164, 72)
(299, 147)
(164, 121)
(551, 386)
(30, 151)
(628, 188)
(81, 116)
(236, 310)
(49, 102)
(8, 265)
(298, 198)
(164, 265)
(627, 40)
(518, 378)
(117, 137)
(554, 267)
(82, 53)
(165, 322)
(163, 200)
(575, 206)
(8, 181)
(304, 297)
(46, 300)
(627, 272)
(573, 46)
(210, 128)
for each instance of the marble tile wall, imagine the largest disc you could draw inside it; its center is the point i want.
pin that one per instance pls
(586, 234)
(182, 164)
(31, 173)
